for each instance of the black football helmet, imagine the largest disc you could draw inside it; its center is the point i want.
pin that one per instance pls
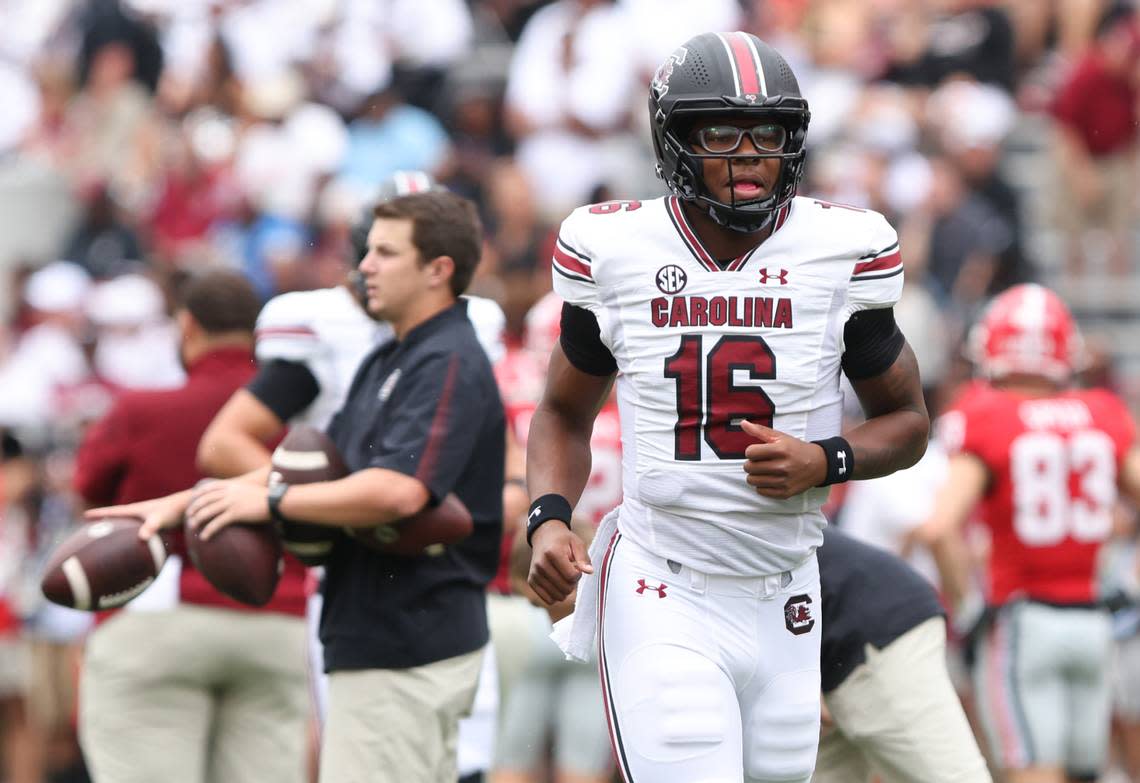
(731, 75)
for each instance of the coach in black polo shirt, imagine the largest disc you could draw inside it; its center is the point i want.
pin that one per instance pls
(403, 637)
(883, 672)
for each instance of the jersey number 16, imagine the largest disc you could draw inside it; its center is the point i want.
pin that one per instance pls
(711, 402)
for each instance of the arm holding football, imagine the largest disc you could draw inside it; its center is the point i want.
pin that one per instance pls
(370, 497)
(168, 511)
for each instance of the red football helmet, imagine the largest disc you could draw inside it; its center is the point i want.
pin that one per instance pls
(1026, 330)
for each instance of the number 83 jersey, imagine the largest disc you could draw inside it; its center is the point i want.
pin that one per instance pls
(701, 345)
(1053, 464)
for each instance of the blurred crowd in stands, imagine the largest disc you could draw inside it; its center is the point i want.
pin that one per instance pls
(142, 139)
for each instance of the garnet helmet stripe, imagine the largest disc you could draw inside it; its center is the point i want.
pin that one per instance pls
(743, 54)
(748, 39)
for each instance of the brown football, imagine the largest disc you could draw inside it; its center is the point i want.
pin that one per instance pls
(304, 456)
(426, 533)
(102, 565)
(241, 561)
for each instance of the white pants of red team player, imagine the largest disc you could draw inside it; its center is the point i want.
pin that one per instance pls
(706, 678)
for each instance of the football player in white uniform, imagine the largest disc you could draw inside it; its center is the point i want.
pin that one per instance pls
(725, 311)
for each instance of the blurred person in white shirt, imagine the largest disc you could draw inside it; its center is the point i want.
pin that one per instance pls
(571, 85)
(48, 356)
(136, 343)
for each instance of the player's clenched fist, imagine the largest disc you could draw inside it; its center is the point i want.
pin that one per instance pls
(779, 465)
(558, 560)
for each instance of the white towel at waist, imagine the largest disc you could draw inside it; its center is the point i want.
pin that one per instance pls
(575, 634)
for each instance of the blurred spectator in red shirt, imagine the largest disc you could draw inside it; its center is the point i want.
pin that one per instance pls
(185, 683)
(1095, 148)
(197, 189)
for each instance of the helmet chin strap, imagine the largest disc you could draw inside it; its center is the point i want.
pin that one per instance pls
(733, 220)
(734, 223)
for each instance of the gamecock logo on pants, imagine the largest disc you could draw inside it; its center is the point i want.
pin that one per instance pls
(797, 614)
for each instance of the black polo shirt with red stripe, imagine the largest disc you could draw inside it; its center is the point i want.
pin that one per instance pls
(426, 406)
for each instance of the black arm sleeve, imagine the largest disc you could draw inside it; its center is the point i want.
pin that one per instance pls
(286, 388)
(871, 343)
(581, 341)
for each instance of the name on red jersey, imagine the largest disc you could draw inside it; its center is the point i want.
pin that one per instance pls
(1055, 414)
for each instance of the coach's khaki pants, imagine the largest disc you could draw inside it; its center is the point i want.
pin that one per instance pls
(195, 695)
(398, 725)
(898, 715)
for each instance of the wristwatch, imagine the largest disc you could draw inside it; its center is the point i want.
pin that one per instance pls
(277, 491)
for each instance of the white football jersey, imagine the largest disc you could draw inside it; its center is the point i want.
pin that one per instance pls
(329, 332)
(699, 348)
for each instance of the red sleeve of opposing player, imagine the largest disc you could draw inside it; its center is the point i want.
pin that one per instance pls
(101, 460)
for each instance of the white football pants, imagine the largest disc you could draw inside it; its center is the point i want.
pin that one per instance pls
(706, 678)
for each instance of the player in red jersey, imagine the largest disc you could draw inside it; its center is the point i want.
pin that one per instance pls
(1041, 464)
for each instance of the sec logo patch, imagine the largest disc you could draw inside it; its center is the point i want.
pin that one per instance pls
(671, 279)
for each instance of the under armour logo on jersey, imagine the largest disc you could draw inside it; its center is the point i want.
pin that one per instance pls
(642, 587)
(781, 278)
(842, 462)
(388, 385)
(797, 614)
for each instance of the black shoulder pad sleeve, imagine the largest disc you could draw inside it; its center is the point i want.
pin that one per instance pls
(285, 387)
(871, 343)
(581, 341)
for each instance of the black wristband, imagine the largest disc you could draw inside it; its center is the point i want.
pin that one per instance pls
(277, 490)
(546, 508)
(840, 460)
